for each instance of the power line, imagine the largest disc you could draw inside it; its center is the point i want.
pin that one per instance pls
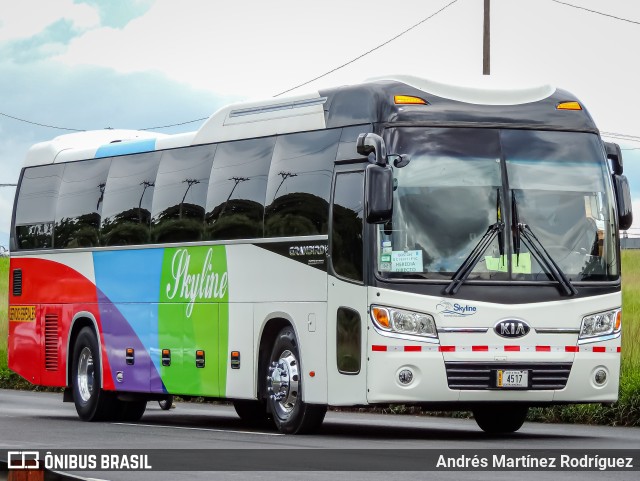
(175, 125)
(597, 12)
(39, 124)
(621, 136)
(368, 51)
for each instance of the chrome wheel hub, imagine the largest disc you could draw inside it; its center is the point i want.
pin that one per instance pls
(86, 375)
(283, 382)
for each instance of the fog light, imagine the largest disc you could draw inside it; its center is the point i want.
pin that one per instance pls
(405, 377)
(600, 377)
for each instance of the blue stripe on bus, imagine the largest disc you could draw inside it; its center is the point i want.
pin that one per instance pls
(127, 147)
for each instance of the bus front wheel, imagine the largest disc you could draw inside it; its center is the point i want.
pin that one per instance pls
(92, 403)
(290, 413)
(501, 419)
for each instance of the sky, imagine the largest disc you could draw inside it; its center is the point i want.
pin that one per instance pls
(138, 64)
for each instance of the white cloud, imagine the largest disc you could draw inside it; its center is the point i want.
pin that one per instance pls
(259, 48)
(26, 18)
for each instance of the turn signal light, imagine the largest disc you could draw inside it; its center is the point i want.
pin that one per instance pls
(408, 100)
(569, 106)
(381, 316)
(618, 321)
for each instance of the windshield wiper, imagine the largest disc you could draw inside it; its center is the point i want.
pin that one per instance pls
(485, 241)
(519, 229)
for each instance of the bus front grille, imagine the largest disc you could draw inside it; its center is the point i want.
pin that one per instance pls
(472, 375)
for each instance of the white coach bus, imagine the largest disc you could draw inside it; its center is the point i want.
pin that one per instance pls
(396, 241)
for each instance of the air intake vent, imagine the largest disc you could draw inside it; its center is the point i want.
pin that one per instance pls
(17, 282)
(51, 342)
(470, 375)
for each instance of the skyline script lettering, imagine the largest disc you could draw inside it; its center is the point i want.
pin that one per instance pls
(206, 284)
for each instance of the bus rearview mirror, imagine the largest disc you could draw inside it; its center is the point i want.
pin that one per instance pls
(379, 194)
(623, 201)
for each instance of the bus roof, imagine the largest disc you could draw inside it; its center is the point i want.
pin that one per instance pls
(370, 102)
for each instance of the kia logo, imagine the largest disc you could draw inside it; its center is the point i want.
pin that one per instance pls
(512, 328)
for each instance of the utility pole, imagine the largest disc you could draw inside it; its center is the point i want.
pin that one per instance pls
(486, 40)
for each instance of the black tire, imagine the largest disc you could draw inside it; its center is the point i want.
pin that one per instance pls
(129, 411)
(92, 403)
(501, 419)
(166, 403)
(253, 413)
(290, 413)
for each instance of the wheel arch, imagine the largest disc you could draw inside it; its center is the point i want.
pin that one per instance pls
(272, 325)
(81, 320)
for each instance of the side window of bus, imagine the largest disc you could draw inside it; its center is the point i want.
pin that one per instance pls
(347, 225)
(300, 183)
(36, 208)
(126, 213)
(80, 204)
(180, 194)
(237, 189)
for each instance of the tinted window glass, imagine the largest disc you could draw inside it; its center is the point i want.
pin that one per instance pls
(36, 207)
(347, 148)
(346, 233)
(235, 203)
(80, 204)
(348, 339)
(126, 213)
(180, 194)
(300, 182)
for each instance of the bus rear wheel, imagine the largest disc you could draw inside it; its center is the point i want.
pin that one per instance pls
(502, 419)
(92, 403)
(253, 413)
(290, 413)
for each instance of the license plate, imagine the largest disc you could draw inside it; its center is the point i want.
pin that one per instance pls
(512, 378)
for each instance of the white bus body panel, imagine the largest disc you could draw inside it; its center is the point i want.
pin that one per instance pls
(389, 355)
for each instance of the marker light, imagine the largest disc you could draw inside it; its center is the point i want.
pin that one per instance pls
(404, 322)
(408, 100)
(381, 317)
(569, 106)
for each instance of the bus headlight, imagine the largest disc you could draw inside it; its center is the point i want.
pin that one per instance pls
(404, 322)
(601, 324)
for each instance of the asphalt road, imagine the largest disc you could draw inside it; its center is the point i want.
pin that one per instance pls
(41, 421)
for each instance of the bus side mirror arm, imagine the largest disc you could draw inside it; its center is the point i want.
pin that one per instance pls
(372, 144)
(614, 154)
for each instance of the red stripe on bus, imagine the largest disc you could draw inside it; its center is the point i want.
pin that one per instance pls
(447, 348)
(412, 348)
(571, 348)
(599, 349)
(378, 348)
(512, 348)
(618, 348)
(543, 348)
(480, 348)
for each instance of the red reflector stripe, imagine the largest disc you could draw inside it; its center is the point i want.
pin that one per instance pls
(480, 348)
(512, 348)
(412, 348)
(618, 348)
(571, 349)
(543, 348)
(378, 348)
(447, 348)
(599, 349)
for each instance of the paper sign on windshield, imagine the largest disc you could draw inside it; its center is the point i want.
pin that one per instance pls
(406, 261)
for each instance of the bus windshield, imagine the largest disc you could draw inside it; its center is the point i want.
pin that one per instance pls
(461, 181)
